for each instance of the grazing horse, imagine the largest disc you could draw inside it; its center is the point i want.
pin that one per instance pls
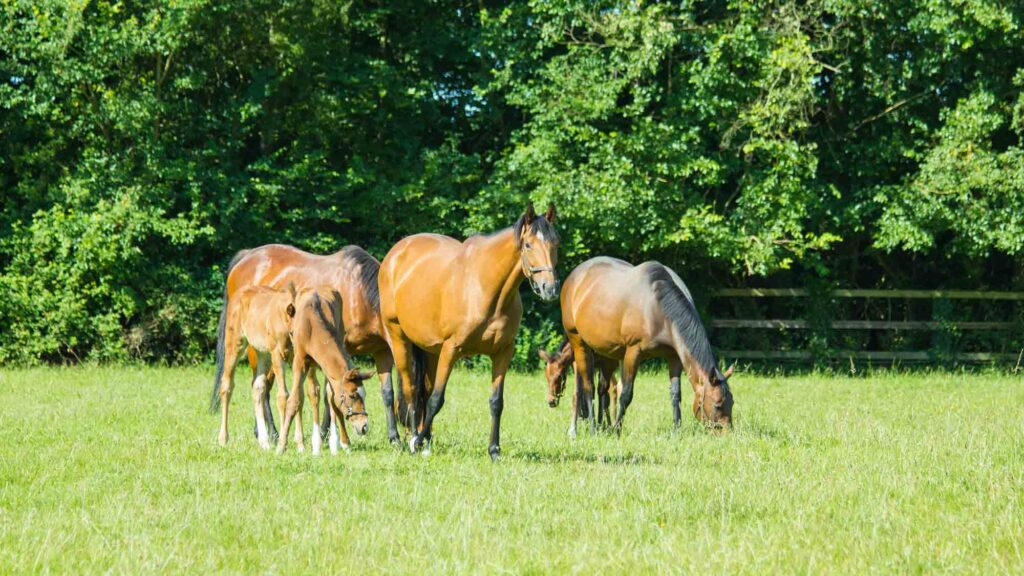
(442, 299)
(317, 341)
(352, 272)
(556, 369)
(263, 318)
(633, 313)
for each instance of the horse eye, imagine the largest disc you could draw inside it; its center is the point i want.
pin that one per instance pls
(528, 245)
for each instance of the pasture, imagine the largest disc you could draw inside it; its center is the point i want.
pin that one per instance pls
(118, 470)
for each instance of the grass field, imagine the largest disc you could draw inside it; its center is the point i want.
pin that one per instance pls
(118, 470)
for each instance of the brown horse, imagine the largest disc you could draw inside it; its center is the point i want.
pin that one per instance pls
(633, 313)
(317, 341)
(445, 299)
(556, 369)
(262, 317)
(352, 272)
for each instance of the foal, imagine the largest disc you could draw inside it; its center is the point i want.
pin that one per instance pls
(556, 370)
(262, 317)
(317, 340)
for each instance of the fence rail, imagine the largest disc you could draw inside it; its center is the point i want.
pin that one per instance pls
(868, 293)
(891, 325)
(863, 324)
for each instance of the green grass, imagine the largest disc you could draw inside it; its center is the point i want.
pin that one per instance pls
(117, 469)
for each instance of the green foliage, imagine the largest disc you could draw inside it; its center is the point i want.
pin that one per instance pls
(141, 145)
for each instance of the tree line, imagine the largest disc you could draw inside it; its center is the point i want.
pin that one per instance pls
(845, 142)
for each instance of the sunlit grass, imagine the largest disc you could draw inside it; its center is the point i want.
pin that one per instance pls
(118, 469)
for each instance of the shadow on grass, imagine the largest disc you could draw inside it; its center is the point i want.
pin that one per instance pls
(545, 457)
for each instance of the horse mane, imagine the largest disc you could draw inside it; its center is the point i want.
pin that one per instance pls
(329, 324)
(539, 225)
(369, 268)
(564, 349)
(679, 309)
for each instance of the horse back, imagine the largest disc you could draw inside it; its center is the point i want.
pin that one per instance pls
(351, 271)
(612, 306)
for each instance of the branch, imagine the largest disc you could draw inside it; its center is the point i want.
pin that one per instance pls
(895, 107)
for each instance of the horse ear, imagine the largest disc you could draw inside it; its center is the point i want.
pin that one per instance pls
(531, 214)
(544, 355)
(728, 372)
(551, 215)
(365, 375)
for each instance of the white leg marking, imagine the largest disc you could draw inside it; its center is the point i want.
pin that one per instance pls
(316, 440)
(333, 438)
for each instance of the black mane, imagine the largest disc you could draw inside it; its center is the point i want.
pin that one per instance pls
(679, 309)
(369, 268)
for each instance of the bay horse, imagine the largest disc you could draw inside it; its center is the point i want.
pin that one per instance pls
(442, 299)
(317, 334)
(556, 371)
(262, 317)
(352, 272)
(634, 313)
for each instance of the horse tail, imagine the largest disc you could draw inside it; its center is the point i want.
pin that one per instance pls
(581, 407)
(215, 394)
(679, 310)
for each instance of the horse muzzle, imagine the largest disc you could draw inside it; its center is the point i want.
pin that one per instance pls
(548, 291)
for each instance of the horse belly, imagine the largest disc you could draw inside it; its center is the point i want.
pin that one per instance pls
(498, 334)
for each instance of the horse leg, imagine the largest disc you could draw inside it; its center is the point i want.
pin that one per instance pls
(325, 420)
(259, 401)
(332, 436)
(283, 397)
(577, 394)
(499, 366)
(227, 381)
(313, 394)
(613, 391)
(439, 368)
(629, 367)
(384, 362)
(402, 349)
(585, 375)
(268, 415)
(293, 402)
(675, 370)
(604, 386)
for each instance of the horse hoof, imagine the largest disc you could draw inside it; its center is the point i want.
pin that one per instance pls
(279, 451)
(495, 452)
(300, 448)
(412, 444)
(315, 451)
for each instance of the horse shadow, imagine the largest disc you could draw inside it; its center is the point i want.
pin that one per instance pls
(560, 457)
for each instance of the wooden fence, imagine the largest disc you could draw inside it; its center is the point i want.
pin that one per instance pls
(872, 355)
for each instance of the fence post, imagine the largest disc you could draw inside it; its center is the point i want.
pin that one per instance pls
(820, 313)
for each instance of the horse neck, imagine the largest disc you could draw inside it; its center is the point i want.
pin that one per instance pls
(499, 258)
(696, 373)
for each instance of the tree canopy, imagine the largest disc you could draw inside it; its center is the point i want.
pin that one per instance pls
(143, 143)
